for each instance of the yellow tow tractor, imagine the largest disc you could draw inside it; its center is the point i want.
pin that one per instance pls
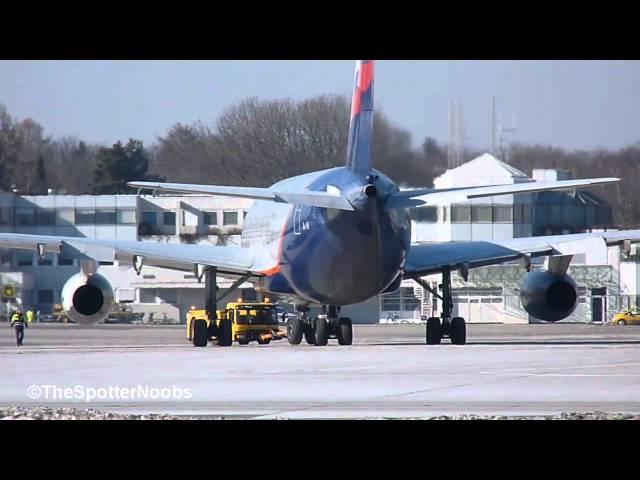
(242, 322)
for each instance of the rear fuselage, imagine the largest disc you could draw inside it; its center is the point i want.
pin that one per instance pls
(324, 256)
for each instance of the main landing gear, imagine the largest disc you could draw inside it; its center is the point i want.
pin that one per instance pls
(438, 328)
(202, 331)
(318, 331)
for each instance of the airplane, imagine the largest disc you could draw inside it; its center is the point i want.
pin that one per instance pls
(333, 238)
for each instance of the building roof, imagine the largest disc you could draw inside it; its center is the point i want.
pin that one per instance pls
(483, 170)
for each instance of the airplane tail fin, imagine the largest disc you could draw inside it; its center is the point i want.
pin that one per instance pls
(361, 125)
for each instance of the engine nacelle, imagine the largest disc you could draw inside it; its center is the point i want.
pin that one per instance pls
(87, 299)
(548, 296)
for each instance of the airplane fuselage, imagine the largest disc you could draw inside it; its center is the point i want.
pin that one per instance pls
(325, 256)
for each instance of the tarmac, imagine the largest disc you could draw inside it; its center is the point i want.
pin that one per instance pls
(389, 372)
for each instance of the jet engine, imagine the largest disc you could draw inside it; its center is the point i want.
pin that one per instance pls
(548, 296)
(87, 299)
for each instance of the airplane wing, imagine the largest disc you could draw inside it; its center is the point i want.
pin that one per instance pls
(312, 199)
(429, 258)
(419, 198)
(228, 259)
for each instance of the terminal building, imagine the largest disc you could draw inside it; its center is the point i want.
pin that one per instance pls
(607, 279)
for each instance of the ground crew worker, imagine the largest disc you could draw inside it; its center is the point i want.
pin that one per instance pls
(29, 316)
(17, 321)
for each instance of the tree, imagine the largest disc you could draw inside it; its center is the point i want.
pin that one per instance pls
(22, 146)
(260, 142)
(118, 165)
(40, 178)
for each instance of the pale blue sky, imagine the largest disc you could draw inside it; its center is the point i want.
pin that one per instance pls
(572, 104)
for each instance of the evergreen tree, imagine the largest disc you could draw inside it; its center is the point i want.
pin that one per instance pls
(118, 165)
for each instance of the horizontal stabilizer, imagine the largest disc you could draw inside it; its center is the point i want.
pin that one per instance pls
(311, 199)
(419, 198)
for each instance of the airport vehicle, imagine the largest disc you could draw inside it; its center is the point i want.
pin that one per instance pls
(626, 318)
(123, 314)
(59, 315)
(332, 238)
(240, 321)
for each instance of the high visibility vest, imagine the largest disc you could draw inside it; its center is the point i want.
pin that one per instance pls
(29, 316)
(17, 318)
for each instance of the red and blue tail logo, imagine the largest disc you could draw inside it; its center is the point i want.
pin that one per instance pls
(361, 126)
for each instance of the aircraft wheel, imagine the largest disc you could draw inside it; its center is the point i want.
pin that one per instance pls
(434, 331)
(321, 332)
(295, 328)
(200, 333)
(345, 331)
(309, 334)
(225, 334)
(458, 331)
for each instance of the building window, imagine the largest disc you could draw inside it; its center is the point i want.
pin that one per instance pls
(45, 296)
(65, 216)
(409, 300)
(210, 218)
(46, 261)
(590, 215)
(147, 295)
(126, 295)
(391, 302)
(24, 217)
(168, 295)
(126, 216)
(105, 216)
(150, 218)
(5, 216)
(480, 214)
(425, 214)
(503, 214)
(477, 295)
(64, 262)
(24, 259)
(45, 217)
(85, 216)
(460, 214)
(169, 218)
(556, 215)
(230, 218)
